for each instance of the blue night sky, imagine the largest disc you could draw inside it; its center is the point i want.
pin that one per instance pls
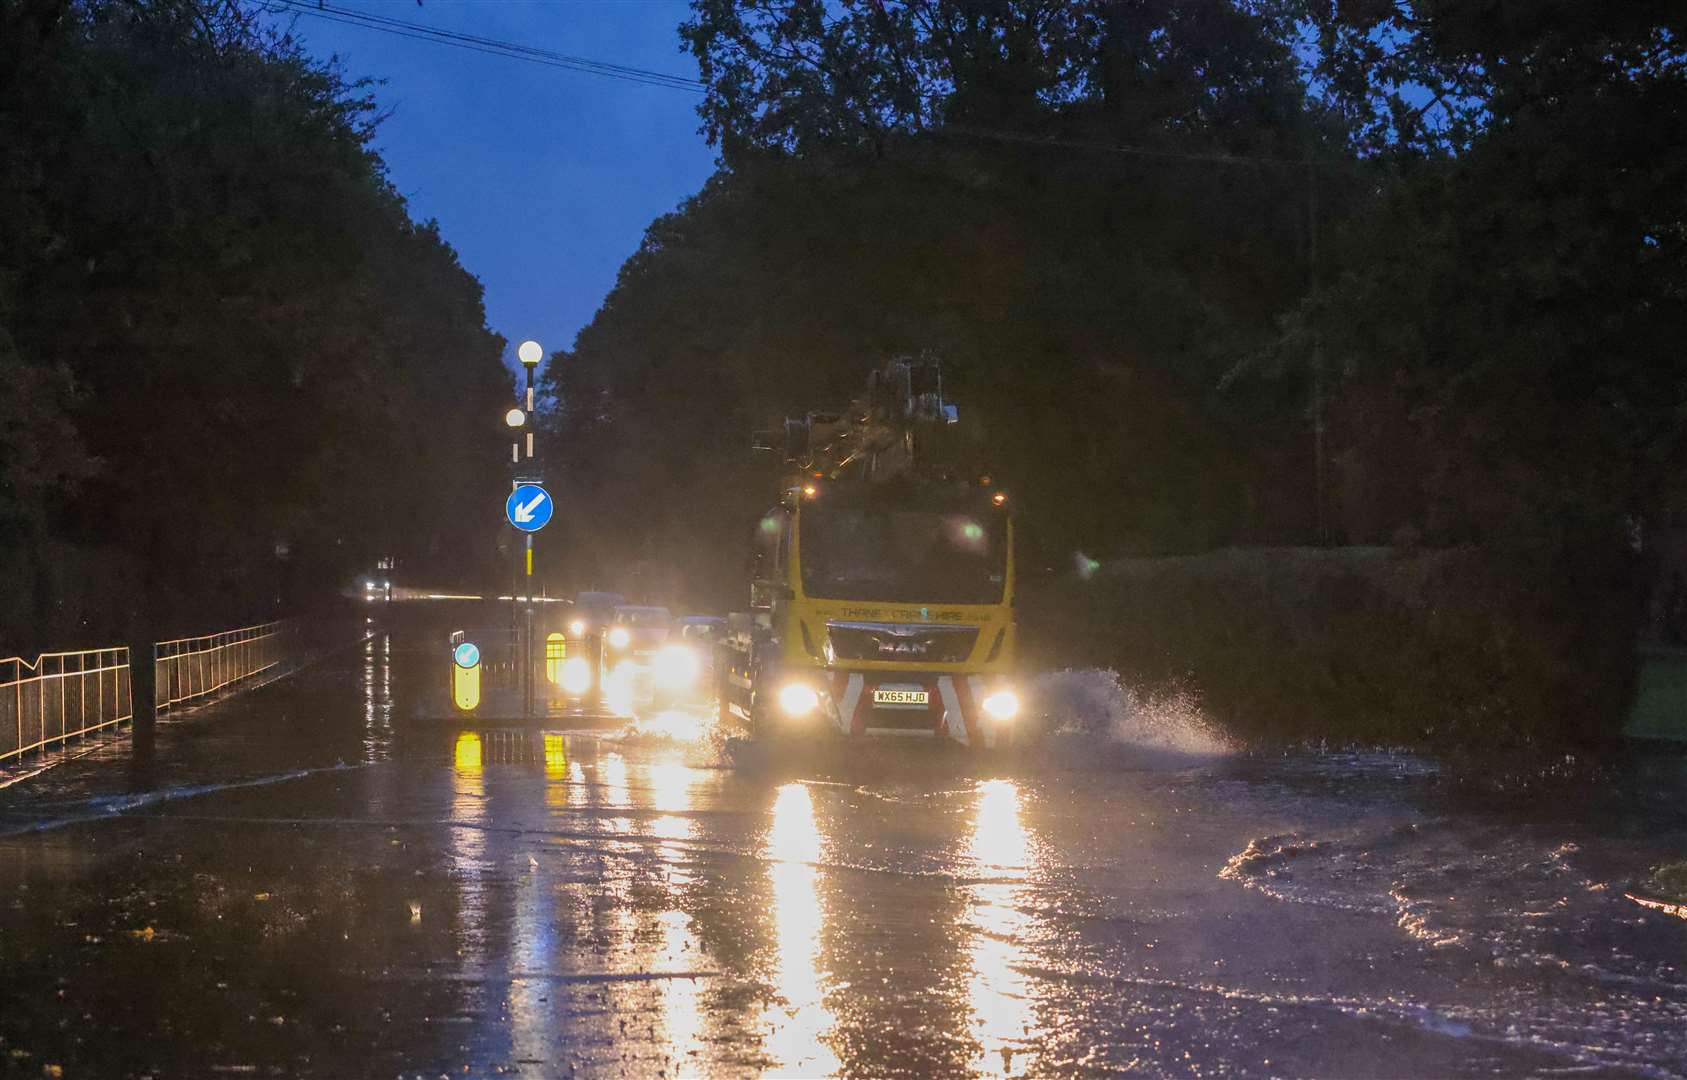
(542, 179)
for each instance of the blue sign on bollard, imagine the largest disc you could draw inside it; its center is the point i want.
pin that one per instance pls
(466, 655)
(529, 508)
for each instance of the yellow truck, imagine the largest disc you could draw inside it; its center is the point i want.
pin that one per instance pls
(882, 593)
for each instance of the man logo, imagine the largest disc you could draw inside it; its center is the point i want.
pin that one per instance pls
(903, 648)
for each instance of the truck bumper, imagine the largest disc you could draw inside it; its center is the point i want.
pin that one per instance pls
(851, 706)
(953, 708)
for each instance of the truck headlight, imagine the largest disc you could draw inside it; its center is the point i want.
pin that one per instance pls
(1002, 705)
(798, 699)
(576, 675)
(675, 667)
(618, 637)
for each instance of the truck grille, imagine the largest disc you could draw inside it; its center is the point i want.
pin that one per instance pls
(901, 641)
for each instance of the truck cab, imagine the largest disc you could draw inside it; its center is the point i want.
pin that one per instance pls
(879, 610)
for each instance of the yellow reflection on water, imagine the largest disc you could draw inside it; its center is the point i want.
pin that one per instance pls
(467, 850)
(563, 778)
(556, 756)
(1002, 1006)
(796, 1026)
(467, 754)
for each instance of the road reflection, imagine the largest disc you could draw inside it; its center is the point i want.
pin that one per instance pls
(670, 793)
(533, 931)
(377, 697)
(467, 849)
(797, 1024)
(613, 769)
(1003, 1016)
(681, 997)
(670, 945)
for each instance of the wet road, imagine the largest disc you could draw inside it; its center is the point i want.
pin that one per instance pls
(305, 880)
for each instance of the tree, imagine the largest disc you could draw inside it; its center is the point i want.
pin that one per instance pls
(245, 334)
(940, 177)
(1518, 286)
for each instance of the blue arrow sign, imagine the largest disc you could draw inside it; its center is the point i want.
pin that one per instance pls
(466, 655)
(529, 508)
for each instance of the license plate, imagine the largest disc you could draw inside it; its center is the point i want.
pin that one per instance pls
(901, 697)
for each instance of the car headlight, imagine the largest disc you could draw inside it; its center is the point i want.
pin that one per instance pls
(675, 667)
(618, 688)
(618, 637)
(1002, 705)
(576, 675)
(798, 699)
(577, 628)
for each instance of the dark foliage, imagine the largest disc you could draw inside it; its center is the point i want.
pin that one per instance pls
(1087, 304)
(1507, 318)
(1451, 648)
(235, 370)
(1161, 244)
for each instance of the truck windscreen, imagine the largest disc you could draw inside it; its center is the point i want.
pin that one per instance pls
(902, 556)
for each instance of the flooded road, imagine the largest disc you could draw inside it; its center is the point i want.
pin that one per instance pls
(306, 880)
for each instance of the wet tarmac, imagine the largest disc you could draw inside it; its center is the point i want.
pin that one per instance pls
(307, 881)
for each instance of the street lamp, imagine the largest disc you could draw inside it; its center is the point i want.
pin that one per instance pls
(530, 353)
(514, 419)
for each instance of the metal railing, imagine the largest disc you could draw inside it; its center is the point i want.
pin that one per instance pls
(60, 696)
(192, 667)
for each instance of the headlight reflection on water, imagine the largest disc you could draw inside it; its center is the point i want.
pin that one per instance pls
(670, 793)
(794, 1028)
(649, 801)
(1002, 1011)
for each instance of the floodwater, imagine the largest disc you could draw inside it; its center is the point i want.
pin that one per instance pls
(308, 880)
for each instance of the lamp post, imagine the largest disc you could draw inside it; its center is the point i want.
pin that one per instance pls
(529, 353)
(515, 420)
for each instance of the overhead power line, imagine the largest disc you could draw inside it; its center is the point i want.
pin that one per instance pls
(491, 46)
(320, 9)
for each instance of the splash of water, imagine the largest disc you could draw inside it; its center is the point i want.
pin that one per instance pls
(1096, 702)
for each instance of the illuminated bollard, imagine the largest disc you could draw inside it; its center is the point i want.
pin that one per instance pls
(556, 652)
(465, 676)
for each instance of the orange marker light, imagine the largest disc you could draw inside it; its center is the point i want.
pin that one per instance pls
(999, 498)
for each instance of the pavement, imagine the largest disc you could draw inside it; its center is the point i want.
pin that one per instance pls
(309, 880)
